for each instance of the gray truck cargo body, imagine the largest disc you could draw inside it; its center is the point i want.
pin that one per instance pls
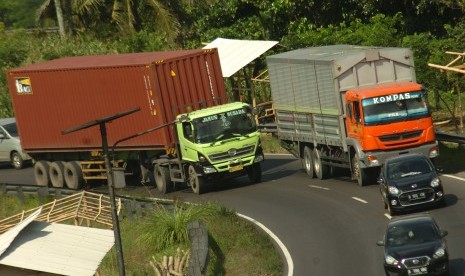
(308, 86)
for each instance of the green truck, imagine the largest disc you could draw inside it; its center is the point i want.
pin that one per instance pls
(196, 136)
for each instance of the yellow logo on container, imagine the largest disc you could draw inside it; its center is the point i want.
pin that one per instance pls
(23, 86)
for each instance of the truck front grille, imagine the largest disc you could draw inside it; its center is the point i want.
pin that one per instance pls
(400, 136)
(231, 153)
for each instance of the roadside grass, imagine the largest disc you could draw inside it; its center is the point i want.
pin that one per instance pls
(270, 144)
(451, 157)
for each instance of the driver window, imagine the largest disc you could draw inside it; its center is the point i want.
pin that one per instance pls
(187, 131)
(357, 114)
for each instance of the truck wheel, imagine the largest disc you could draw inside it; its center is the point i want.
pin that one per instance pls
(358, 173)
(73, 175)
(41, 175)
(321, 171)
(162, 179)
(17, 161)
(255, 173)
(56, 172)
(197, 183)
(307, 162)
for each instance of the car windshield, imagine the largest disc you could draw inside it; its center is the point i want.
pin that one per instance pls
(395, 108)
(11, 129)
(225, 125)
(401, 235)
(405, 168)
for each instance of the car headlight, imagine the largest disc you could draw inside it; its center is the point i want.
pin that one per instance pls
(435, 182)
(439, 253)
(391, 260)
(393, 190)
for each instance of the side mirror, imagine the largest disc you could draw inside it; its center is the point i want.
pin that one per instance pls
(380, 180)
(2, 136)
(444, 233)
(439, 170)
(380, 243)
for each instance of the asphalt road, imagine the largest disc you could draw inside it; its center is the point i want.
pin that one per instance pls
(329, 227)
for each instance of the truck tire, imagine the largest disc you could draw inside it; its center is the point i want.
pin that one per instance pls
(56, 172)
(307, 162)
(321, 171)
(362, 175)
(41, 175)
(255, 173)
(73, 175)
(17, 161)
(162, 179)
(197, 183)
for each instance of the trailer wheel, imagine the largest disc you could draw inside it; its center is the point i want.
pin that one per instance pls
(41, 175)
(73, 175)
(321, 171)
(255, 173)
(198, 183)
(56, 172)
(307, 162)
(362, 175)
(17, 161)
(162, 179)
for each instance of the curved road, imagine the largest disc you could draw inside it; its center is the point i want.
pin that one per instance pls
(329, 227)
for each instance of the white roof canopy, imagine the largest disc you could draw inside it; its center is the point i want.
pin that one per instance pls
(235, 54)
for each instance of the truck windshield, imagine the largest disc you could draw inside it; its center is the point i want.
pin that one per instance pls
(394, 108)
(224, 125)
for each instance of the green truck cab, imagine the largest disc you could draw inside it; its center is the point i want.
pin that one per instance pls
(214, 143)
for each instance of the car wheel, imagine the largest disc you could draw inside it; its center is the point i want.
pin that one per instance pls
(307, 162)
(73, 176)
(255, 173)
(41, 175)
(162, 179)
(390, 210)
(197, 183)
(56, 172)
(321, 171)
(17, 161)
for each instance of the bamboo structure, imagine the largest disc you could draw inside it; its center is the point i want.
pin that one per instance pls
(81, 207)
(453, 66)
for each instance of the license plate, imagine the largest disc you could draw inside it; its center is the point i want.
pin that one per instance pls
(236, 168)
(416, 196)
(418, 271)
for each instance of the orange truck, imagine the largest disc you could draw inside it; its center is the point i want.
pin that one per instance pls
(345, 106)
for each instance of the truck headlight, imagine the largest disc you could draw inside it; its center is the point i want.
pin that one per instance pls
(259, 158)
(209, 169)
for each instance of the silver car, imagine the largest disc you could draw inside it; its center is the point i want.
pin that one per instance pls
(10, 147)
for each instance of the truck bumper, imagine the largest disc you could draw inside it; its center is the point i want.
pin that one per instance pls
(234, 167)
(377, 158)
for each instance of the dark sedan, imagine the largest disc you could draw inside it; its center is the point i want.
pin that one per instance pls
(410, 181)
(415, 245)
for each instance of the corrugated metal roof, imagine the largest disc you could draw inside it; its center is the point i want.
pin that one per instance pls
(235, 54)
(58, 248)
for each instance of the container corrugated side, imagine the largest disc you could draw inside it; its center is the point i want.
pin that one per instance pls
(53, 96)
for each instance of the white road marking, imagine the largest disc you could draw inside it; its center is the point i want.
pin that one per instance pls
(455, 177)
(318, 187)
(388, 216)
(359, 199)
(287, 255)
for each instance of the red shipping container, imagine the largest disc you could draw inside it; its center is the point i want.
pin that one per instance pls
(56, 95)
